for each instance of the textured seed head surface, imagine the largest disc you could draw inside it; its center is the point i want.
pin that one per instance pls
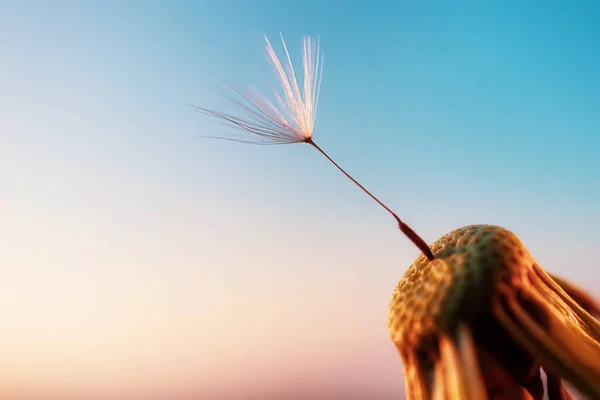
(457, 286)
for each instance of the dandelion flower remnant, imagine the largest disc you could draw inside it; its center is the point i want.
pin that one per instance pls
(475, 316)
(483, 318)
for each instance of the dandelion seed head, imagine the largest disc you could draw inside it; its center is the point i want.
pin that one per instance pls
(291, 117)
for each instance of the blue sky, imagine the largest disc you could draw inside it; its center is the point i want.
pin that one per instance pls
(452, 114)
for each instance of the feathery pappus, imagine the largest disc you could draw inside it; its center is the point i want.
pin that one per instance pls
(475, 316)
(294, 119)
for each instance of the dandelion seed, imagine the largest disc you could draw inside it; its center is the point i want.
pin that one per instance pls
(293, 120)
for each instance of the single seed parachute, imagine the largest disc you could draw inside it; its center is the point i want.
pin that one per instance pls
(293, 121)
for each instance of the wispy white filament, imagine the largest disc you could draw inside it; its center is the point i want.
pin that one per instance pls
(294, 120)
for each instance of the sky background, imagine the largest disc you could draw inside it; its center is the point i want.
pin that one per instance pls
(139, 261)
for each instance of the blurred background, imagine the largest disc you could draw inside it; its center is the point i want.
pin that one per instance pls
(138, 261)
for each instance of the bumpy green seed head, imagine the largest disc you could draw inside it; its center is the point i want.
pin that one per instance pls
(456, 286)
(484, 300)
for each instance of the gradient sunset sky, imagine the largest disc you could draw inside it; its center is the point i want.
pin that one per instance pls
(139, 261)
